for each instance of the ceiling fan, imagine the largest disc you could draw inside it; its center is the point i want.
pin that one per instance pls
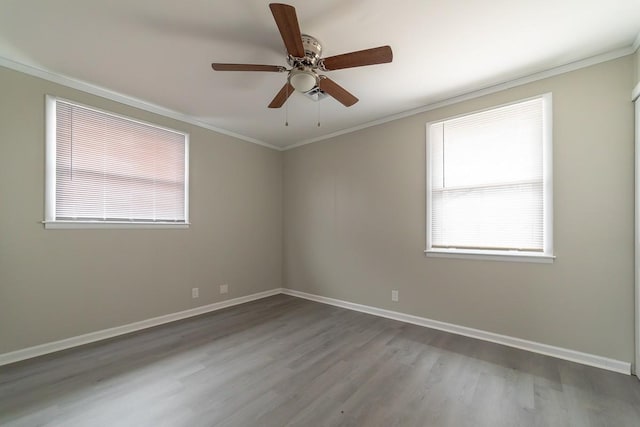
(303, 56)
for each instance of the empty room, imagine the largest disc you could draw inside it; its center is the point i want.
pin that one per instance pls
(330, 213)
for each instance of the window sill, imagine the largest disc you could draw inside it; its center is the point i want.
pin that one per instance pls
(514, 256)
(111, 224)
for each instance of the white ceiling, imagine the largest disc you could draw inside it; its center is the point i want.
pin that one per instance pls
(160, 51)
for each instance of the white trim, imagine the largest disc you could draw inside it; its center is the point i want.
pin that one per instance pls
(66, 225)
(635, 93)
(187, 147)
(636, 43)
(535, 347)
(39, 350)
(50, 158)
(547, 163)
(50, 215)
(74, 83)
(637, 239)
(465, 96)
(490, 255)
(547, 172)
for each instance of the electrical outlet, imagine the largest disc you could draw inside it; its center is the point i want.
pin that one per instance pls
(394, 296)
(195, 292)
(224, 289)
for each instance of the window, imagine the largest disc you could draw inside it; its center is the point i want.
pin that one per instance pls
(106, 170)
(489, 188)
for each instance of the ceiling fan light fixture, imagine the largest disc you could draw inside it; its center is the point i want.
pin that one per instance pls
(303, 80)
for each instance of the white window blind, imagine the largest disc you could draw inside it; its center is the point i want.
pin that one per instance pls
(113, 169)
(488, 181)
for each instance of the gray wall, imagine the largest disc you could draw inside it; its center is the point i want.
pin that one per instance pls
(56, 284)
(354, 227)
(354, 215)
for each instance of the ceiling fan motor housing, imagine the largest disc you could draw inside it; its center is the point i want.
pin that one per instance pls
(312, 47)
(302, 75)
(312, 51)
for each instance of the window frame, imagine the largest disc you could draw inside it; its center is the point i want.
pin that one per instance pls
(547, 254)
(50, 221)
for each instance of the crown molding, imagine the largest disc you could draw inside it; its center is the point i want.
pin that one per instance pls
(454, 99)
(465, 96)
(121, 98)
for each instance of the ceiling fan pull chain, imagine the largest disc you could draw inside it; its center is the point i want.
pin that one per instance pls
(286, 110)
(318, 102)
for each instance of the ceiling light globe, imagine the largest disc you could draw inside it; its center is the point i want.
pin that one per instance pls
(302, 80)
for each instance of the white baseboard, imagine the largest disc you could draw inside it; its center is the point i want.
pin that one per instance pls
(39, 350)
(535, 347)
(558, 352)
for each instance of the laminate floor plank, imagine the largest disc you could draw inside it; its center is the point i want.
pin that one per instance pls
(285, 361)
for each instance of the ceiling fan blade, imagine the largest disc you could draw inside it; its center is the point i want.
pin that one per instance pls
(287, 22)
(337, 91)
(376, 55)
(247, 67)
(282, 96)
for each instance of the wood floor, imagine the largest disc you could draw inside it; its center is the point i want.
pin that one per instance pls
(286, 361)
